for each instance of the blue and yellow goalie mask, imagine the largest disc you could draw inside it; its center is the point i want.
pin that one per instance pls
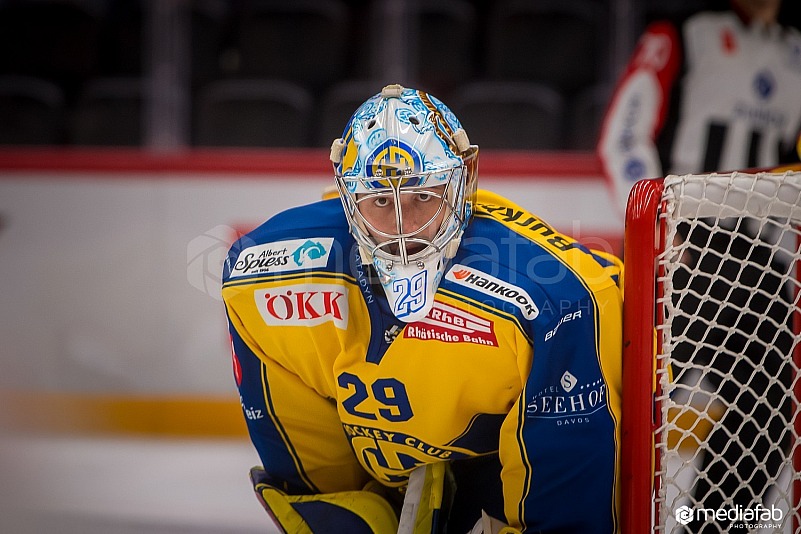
(406, 174)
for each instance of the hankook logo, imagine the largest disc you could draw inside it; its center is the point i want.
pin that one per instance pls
(488, 284)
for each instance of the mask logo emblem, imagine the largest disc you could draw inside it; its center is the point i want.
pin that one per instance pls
(391, 158)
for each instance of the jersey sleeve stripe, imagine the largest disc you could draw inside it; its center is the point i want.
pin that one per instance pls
(279, 427)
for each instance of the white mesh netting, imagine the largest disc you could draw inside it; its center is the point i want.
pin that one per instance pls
(729, 285)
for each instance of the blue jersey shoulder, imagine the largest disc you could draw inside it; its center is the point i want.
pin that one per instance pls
(500, 267)
(310, 237)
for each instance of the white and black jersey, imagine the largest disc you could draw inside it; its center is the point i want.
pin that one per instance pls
(711, 94)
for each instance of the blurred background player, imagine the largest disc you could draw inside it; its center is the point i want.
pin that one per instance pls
(720, 91)
(425, 324)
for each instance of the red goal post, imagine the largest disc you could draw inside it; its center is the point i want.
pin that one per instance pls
(687, 240)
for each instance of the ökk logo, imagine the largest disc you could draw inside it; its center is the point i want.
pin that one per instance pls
(304, 305)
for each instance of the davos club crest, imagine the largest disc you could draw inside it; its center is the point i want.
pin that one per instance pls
(392, 158)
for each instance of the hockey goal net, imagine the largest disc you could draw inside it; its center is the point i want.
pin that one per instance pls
(710, 428)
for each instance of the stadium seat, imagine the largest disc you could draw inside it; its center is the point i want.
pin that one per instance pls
(32, 111)
(556, 42)
(446, 46)
(253, 113)
(510, 115)
(123, 39)
(109, 113)
(337, 105)
(57, 41)
(209, 22)
(304, 41)
(586, 112)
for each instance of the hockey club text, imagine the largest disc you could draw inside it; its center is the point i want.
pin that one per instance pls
(388, 455)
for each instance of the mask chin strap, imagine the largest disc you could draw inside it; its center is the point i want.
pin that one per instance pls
(452, 247)
(366, 255)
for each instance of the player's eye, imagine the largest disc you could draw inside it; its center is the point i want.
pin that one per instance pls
(381, 202)
(424, 197)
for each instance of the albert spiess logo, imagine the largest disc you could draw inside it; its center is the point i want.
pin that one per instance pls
(684, 515)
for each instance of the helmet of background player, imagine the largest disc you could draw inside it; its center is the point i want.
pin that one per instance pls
(406, 174)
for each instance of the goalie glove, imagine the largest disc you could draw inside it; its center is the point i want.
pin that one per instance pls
(357, 512)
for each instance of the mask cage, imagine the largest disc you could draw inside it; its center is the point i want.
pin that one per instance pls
(395, 247)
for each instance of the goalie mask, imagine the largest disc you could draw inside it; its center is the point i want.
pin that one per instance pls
(406, 174)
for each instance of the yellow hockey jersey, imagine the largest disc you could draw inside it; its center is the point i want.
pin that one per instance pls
(519, 360)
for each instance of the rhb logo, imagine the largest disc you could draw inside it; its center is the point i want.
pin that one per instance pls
(452, 325)
(304, 305)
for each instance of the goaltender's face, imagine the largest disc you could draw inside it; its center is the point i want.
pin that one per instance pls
(417, 216)
(766, 11)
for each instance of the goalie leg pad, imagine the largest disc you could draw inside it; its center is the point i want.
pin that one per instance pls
(359, 512)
